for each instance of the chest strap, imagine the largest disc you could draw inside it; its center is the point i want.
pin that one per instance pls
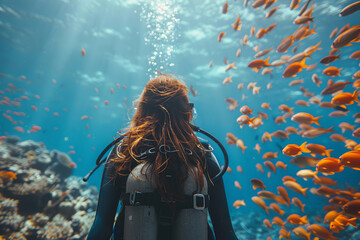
(196, 201)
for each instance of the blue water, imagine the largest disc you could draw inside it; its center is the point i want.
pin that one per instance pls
(126, 41)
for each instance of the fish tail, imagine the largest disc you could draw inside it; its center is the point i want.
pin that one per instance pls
(267, 62)
(267, 210)
(304, 191)
(328, 151)
(352, 222)
(302, 63)
(355, 96)
(330, 129)
(315, 120)
(251, 120)
(303, 148)
(304, 219)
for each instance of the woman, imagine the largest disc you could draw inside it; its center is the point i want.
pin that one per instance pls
(162, 121)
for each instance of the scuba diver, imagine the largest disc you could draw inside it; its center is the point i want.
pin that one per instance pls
(165, 177)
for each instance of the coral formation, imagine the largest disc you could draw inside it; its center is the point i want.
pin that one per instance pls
(39, 199)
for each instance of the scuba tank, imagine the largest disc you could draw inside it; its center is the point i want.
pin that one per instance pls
(148, 217)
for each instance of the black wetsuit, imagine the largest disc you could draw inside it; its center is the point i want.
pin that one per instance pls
(111, 192)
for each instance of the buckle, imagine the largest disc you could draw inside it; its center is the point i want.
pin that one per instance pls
(201, 198)
(132, 199)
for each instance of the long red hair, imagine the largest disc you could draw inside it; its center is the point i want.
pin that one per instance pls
(162, 118)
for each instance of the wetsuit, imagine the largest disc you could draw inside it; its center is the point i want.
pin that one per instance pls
(111, 192)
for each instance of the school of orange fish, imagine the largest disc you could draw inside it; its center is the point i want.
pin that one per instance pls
(344, 208)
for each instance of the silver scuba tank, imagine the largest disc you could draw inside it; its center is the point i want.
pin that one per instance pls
(141, 223)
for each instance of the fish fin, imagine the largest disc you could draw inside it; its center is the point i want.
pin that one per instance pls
(267, 210)
(305, 178)
(355, 96)
(251, 120)
(330, 129)
(302, 63)
(315, 120)
(267, 62)
(304, 191)
(304, 219)
(303, 148)
(352, 222)
(276, 154)
(254, 187)
(313, 154)
(328, 151)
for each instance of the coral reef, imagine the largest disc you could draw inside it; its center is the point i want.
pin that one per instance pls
(39, 199)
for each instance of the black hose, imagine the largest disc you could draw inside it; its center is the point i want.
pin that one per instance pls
(226, 157)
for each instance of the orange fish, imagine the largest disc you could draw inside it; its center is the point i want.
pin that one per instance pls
(267, 223)
(220, 36)
(257, 148)
(257, 183)
(238, 203)
(284, 234)
(276, 209)
(294, 186)
(316, 132)
(330, 216)
(329, 59)
(305, 118)
(351, 159)
(336, 227)
(239, 169)
(297, 220)
(280, 164)
(237, 185)
(329, 165)
(294, 69)
(83, 52)
(326, 191)
(237, 24)
(325, 181)
(346, 37)
(271, 12)
(279, 222)
(293, 150)
(225, 8)
(332, 71)
(350, 9)
(355, 55)
(284, 194)
(7, 174)
(285, 44)
(270, 155)
(244, 120)
(318, 149)
(258, 201)
(298, 203)
(257, 64)
(352, 208)
(260, 168)
(321, 232)
(270, 166)
(345, 98)
(301, 233)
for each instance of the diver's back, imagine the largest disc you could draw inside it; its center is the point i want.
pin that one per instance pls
(141, 221)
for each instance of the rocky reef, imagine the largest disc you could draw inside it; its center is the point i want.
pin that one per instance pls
(39, 199)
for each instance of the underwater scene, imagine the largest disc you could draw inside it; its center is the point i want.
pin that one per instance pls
(275, 81)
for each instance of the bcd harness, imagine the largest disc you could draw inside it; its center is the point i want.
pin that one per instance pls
(166, 211)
